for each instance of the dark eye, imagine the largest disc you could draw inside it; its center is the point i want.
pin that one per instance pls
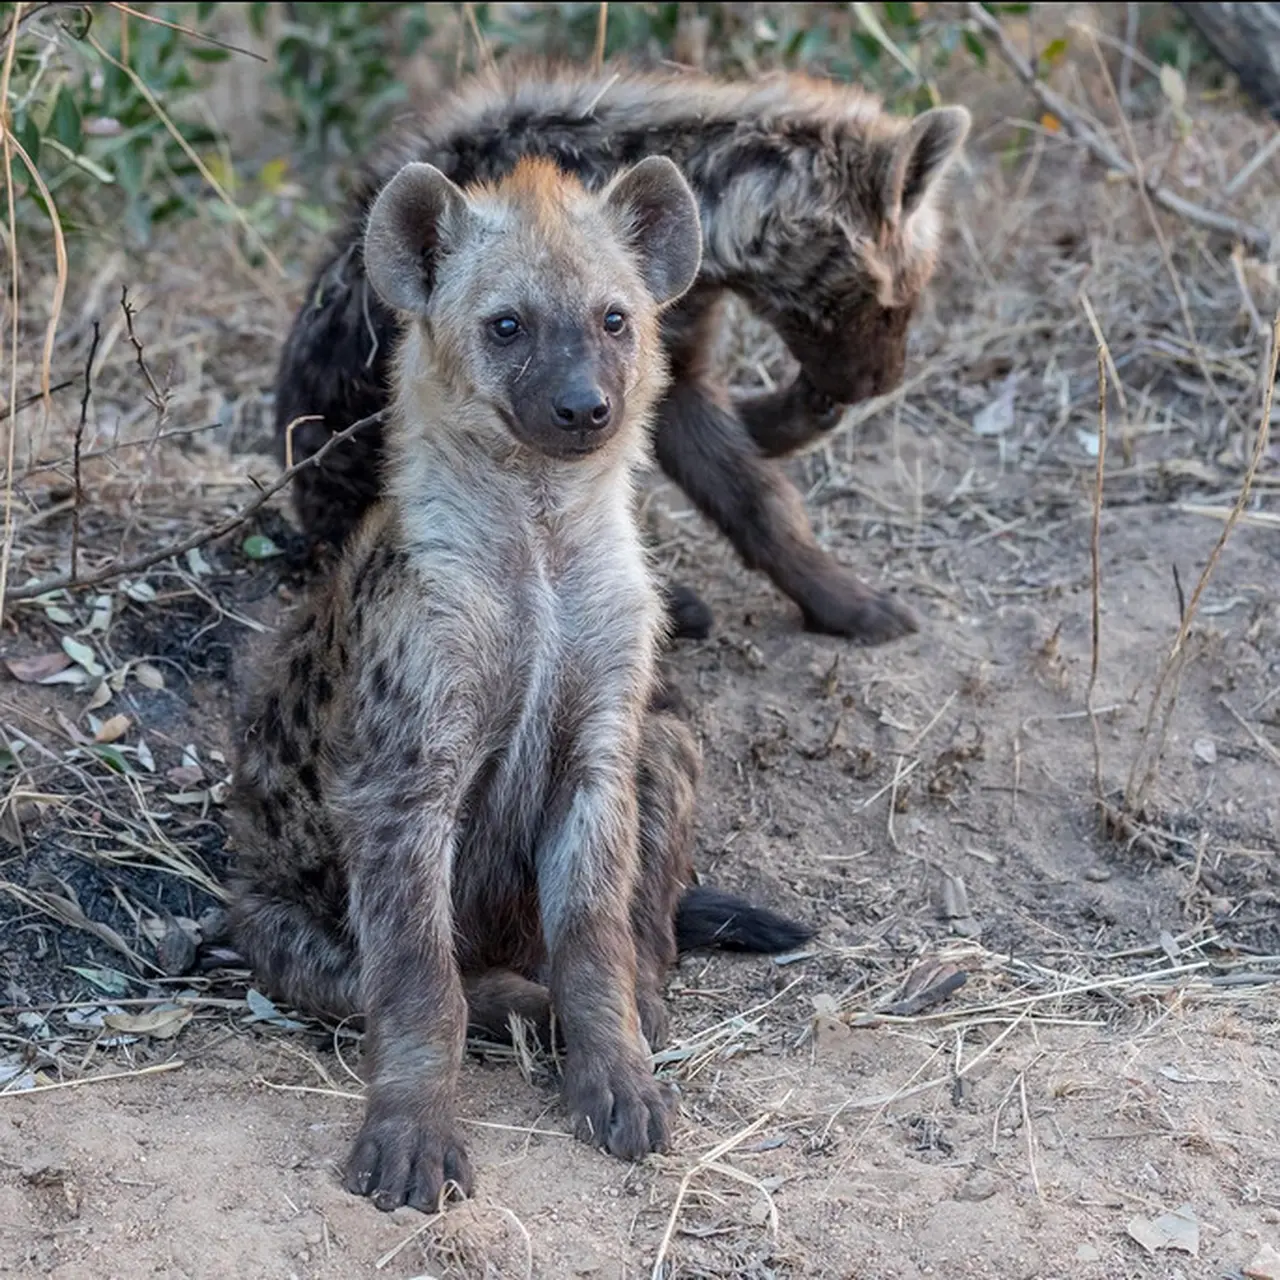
(615, 322)
(504, 328)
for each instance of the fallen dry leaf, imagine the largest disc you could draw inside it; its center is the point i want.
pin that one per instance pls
(100, 697)
(31, 670)
(1176, 1230)
(84, 655)
(162, 1023)
(112, 729)
(148, 676)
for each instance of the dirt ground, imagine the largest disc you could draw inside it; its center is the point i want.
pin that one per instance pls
(1112, 1054)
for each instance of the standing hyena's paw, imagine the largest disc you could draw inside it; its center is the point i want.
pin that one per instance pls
(688, 616)
(400, 1159)
(616, 1103)
(845, 606)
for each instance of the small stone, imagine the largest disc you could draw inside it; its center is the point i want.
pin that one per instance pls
(981, 1185)
(1087, 1253)
(1098, 875)
(1266, 1266)
(1205, 750)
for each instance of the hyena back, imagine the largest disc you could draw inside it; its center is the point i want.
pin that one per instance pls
(460, 794)
(818, 208)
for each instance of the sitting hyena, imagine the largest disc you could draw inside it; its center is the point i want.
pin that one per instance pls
(460, 781)
(817, 208)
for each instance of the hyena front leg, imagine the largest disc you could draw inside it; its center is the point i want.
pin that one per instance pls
(586, 874)
(782, 421)
(670, 764)
(706, 450)
(408, 1148)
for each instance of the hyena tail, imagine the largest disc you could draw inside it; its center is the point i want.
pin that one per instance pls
(708, 917)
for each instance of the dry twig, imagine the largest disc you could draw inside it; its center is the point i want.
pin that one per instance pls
(1095, 549)
(138, 563)
(79, 441)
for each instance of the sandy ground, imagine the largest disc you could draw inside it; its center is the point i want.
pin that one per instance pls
(1112, 1056)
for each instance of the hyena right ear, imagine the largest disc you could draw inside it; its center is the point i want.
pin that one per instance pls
(919, 158)
(656, 206)
(415, 214)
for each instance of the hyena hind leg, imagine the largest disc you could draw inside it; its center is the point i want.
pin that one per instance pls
(667, 777)
(493, 996)
(296, 959)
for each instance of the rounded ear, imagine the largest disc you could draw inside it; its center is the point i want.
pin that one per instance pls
(412, 218)
(919, 158)
(658, 211)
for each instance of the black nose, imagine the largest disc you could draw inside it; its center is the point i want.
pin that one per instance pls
(583, 407)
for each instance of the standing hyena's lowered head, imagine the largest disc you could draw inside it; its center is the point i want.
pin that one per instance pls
(532, 306)
(832, 233)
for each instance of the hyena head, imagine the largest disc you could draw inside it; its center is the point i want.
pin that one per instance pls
(855, 246)
(535, 298)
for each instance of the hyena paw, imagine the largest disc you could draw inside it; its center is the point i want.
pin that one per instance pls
(618, 1104)
(690, 618)
(653, 1018)
(860, 614)
(398, 1159)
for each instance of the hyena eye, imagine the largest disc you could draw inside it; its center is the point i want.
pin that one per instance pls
(615, 322)
(504, 328)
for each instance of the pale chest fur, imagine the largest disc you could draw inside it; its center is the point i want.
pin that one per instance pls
(553, 619)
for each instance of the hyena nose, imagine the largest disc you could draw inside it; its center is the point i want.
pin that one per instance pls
(582, 408)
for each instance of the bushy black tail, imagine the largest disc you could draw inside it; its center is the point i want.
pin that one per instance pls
(709, 917)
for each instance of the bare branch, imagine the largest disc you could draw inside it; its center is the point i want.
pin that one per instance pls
(120, 568)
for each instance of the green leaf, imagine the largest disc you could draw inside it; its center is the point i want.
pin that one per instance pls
(976, 47)
(64, 123)
(28, 138)
(1053, 52)
(257, 546)
(112, 981)
(111, 756)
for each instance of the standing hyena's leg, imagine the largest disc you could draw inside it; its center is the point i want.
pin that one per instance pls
(670, 764)
(705, 448)
(586, 875)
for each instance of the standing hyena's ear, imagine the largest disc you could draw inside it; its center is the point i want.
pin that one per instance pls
(414, 217)
(653, 202)
(919, 158)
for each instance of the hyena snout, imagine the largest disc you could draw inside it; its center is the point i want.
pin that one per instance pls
(581, 405)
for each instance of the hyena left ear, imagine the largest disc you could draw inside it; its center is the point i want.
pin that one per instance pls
(412, 219)
(919, 158)
(654, 203)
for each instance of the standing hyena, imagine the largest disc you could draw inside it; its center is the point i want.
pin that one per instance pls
(817, 208)
(460, 781)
